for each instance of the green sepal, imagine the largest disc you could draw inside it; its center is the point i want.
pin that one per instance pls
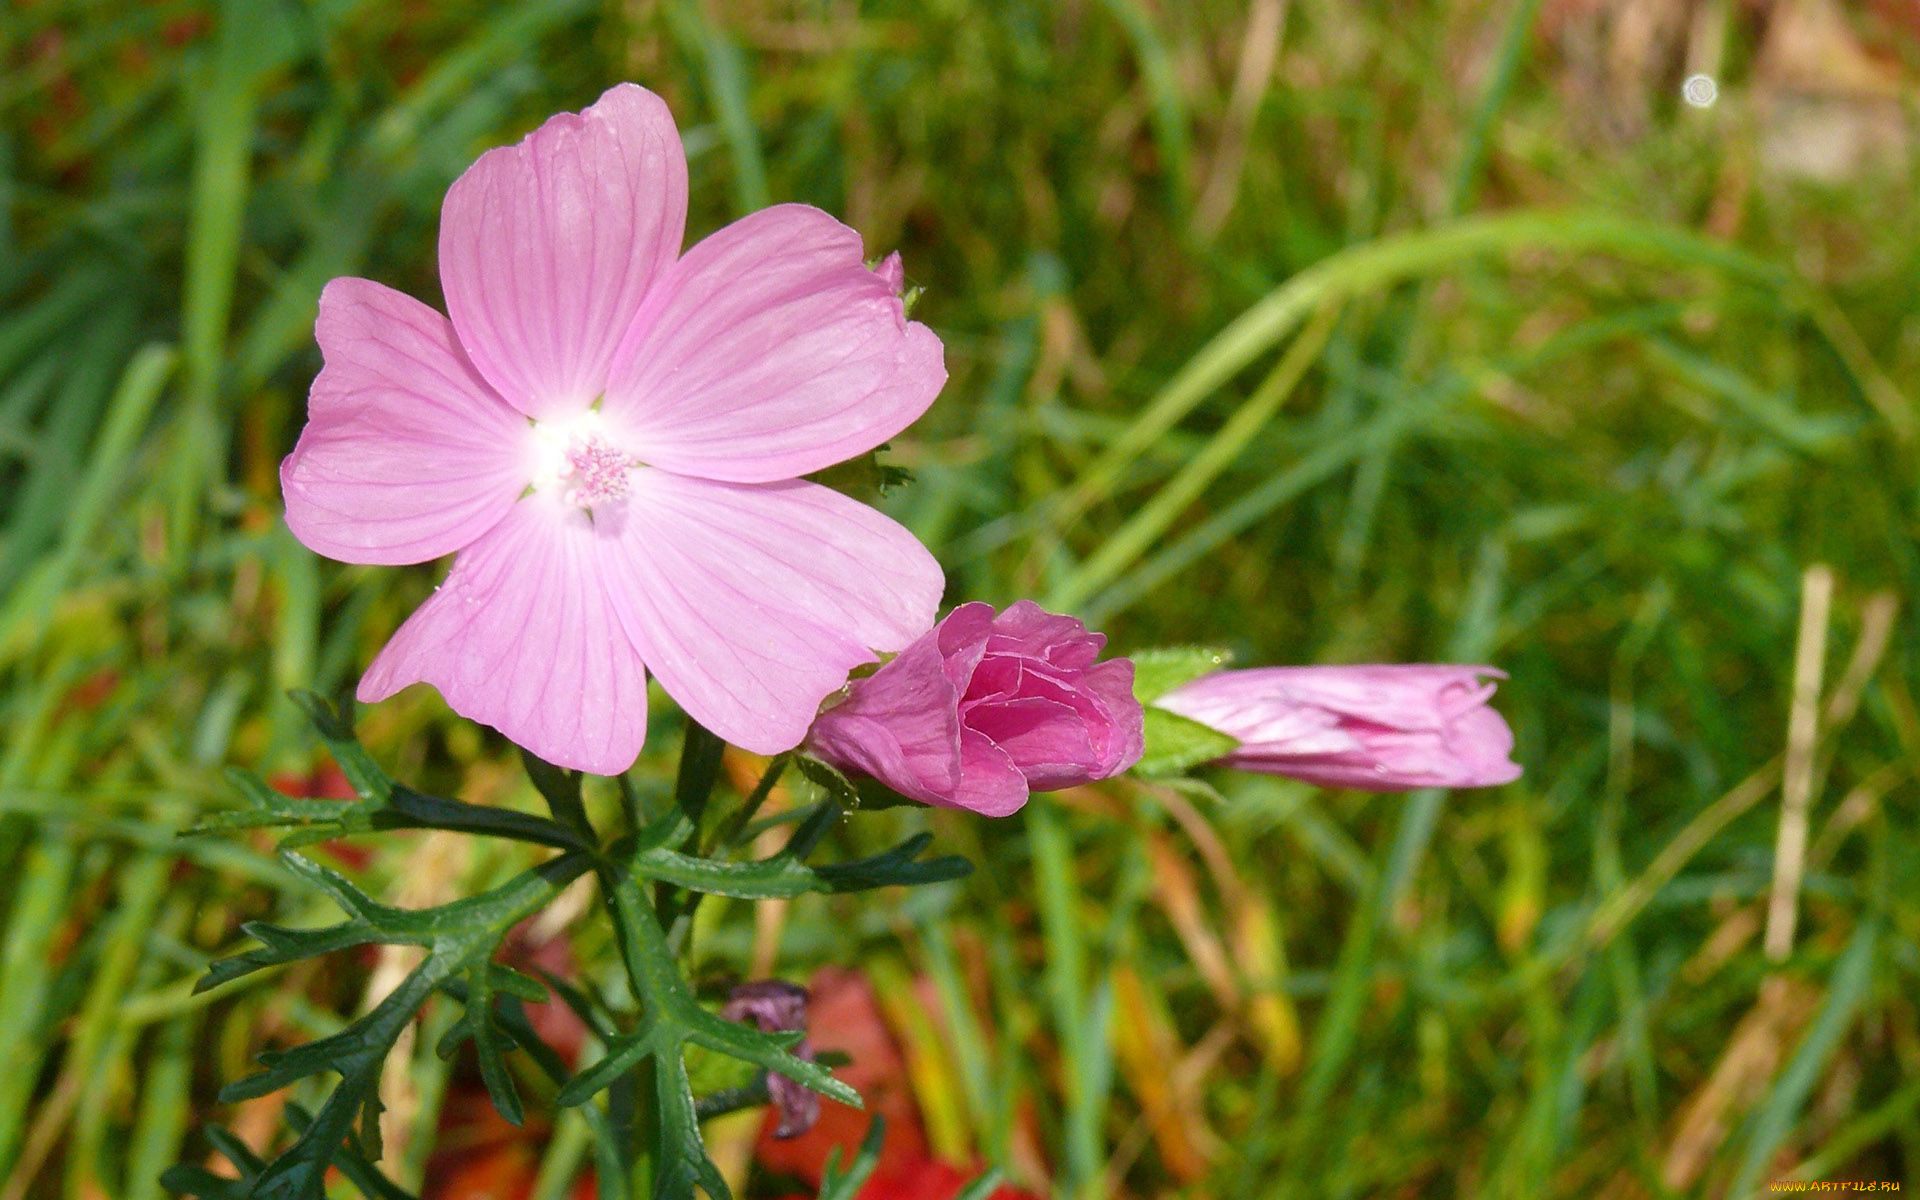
(1157, 672)
(864, 477)
(833, 784)
(1174, 744)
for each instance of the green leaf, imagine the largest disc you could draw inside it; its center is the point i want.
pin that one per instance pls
(492, 1044)
(192, 1180)
(460, 940)
(838, 1184)
(1159, 671)
(1174, 744)
(671, 1019)
(770, 1051)
(384, 804)
(514, 1024)
(784, 875)
(896, 867)
(982, 1187)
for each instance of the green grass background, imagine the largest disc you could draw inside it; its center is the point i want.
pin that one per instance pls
(1448, 332)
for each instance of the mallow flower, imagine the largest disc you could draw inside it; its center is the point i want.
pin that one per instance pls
(1378, 728)
(985, 708)
(608, 435)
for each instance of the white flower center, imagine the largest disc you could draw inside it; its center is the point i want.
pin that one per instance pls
(577, 460)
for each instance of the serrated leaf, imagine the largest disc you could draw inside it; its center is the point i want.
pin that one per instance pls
(251, 1170)
(1174, 744)
(733, 1100)
(506, 981)
(235, 1151)
(514, 1024)
(672, 1020)
(592, 1015)
(1158, 671)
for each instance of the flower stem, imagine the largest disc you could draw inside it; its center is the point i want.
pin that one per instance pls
(728, 835)
(699, 769)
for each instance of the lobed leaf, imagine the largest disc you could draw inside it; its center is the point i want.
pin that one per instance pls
(460, 939)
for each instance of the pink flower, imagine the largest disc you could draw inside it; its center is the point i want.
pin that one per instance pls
(984, 709)
(1380, 728)
(609, 436)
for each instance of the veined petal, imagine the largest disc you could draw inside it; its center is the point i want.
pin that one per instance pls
(991, 783)
(751, 603)
(522, 636)
(770, 351)
(548, 247)
(1050, 741)
(407, 455)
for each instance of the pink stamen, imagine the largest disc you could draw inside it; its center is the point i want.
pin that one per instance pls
(599, 473)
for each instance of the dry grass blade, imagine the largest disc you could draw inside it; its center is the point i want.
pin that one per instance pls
(1796, 777)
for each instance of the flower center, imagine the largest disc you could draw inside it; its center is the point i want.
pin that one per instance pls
(577, 460)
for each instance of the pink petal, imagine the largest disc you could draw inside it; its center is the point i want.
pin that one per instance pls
(522, 636)
(751, 603)
(963, 642)
(990, 783)
(1046, 739)
(770, 351)
(900, 725)
(1026, 628)
(407, 455)
(548, 247)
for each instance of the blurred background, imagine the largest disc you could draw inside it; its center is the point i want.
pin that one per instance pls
(1322, 332)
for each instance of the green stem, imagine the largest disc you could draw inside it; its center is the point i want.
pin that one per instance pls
(728, 835)
(699, 770)
(654, 977)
